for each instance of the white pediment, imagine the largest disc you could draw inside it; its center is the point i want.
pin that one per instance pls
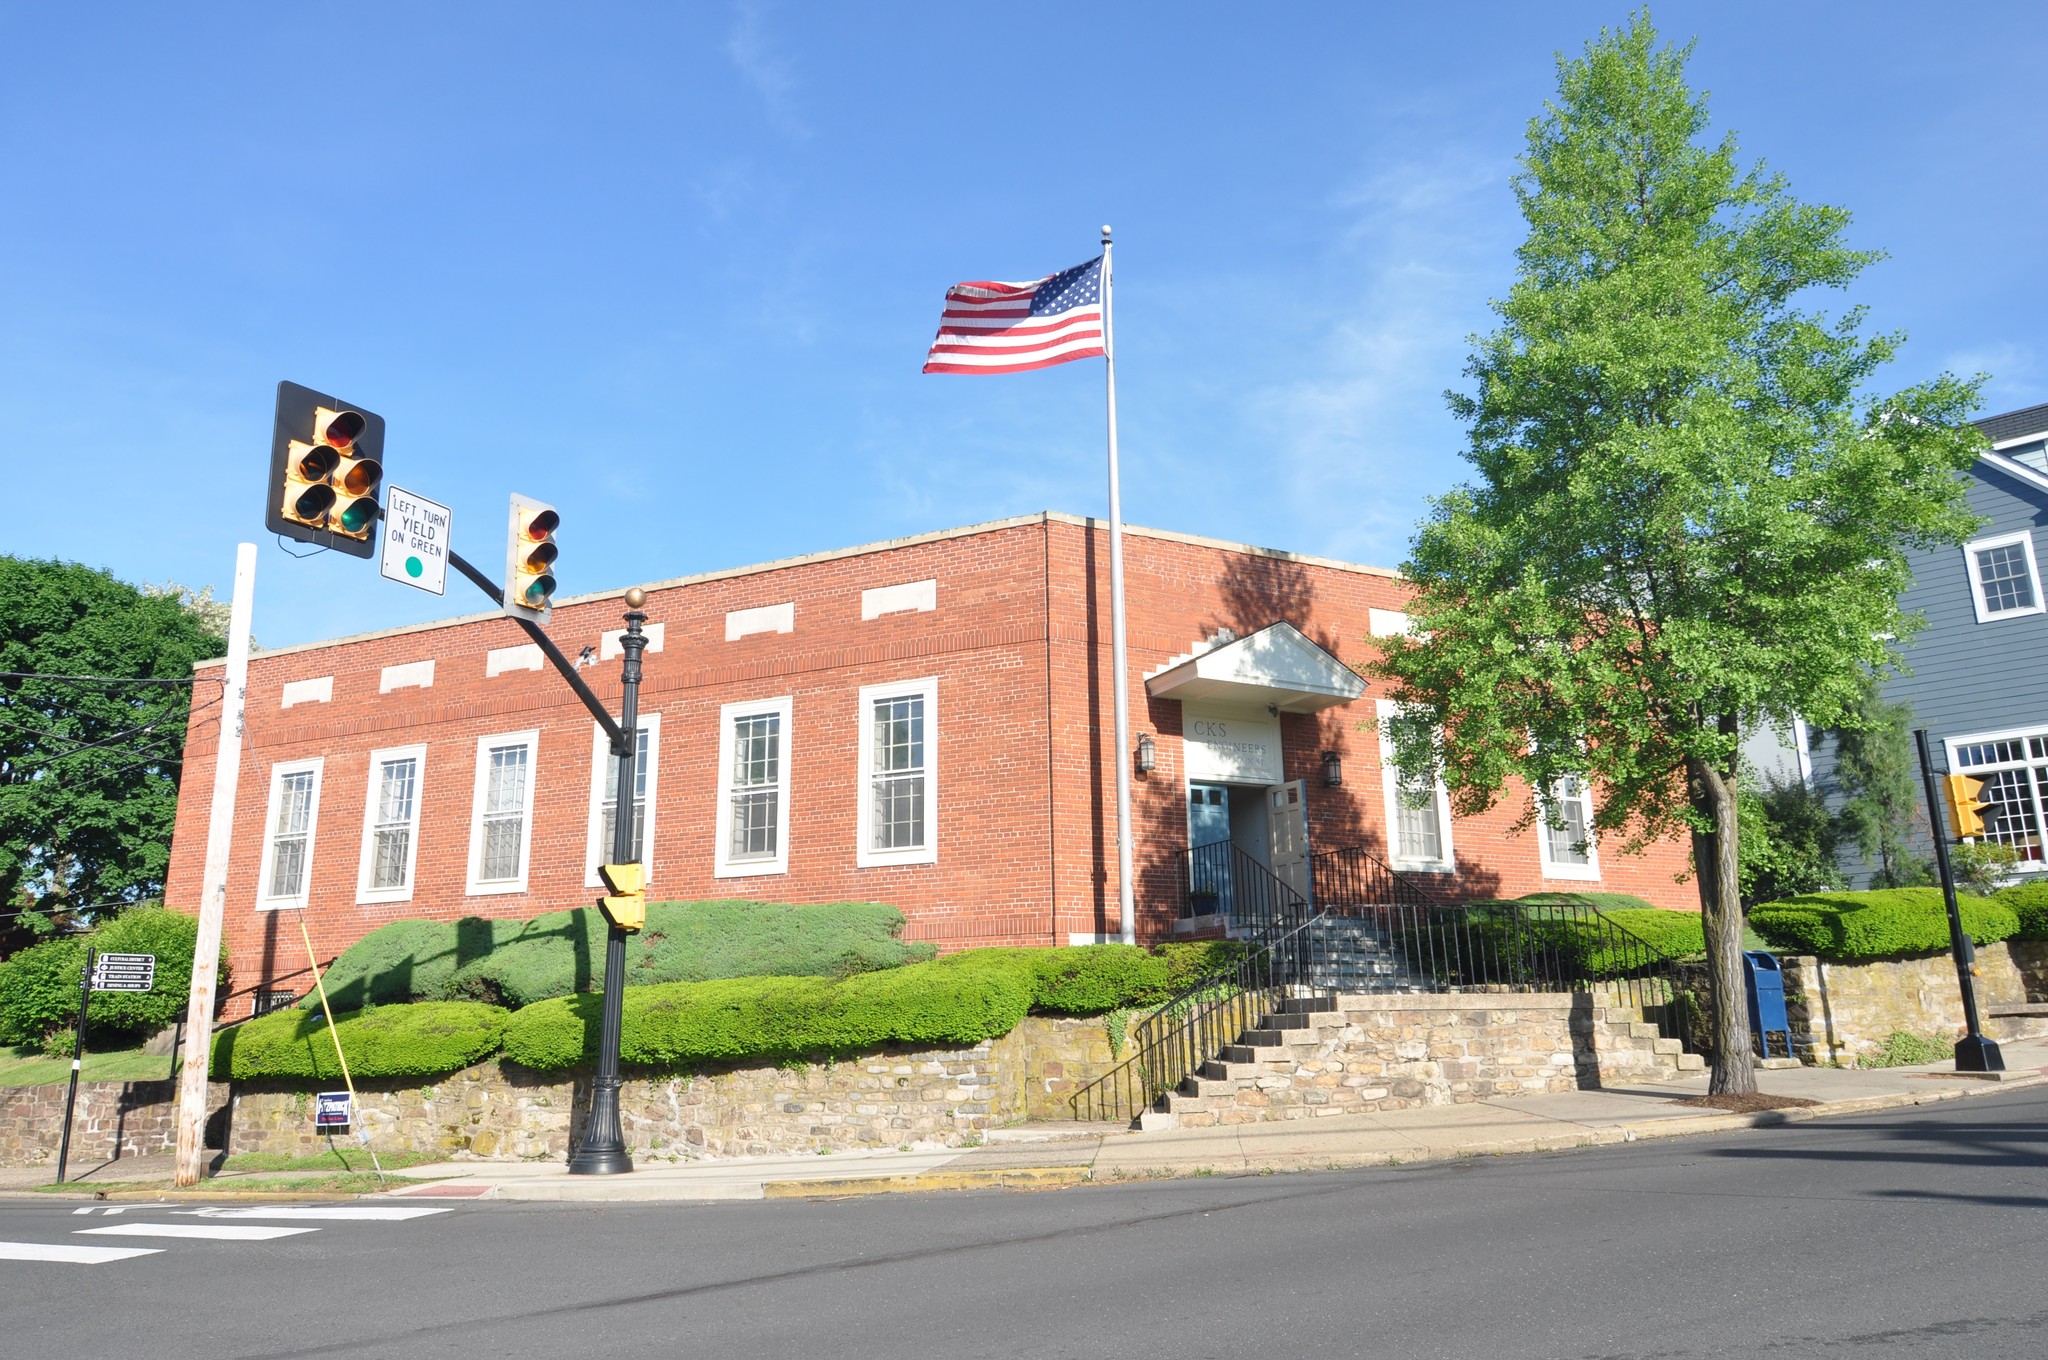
(1279, 666)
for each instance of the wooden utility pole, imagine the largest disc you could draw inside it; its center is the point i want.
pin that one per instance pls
(213, 892)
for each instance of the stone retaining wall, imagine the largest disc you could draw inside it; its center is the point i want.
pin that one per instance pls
(902, 1097)
(1842, 1012)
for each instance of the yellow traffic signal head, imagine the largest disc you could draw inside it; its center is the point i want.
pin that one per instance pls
(1966, 805)
(326, 469)
(626, 904)
(530, 552)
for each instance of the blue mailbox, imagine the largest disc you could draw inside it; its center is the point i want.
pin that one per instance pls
(1766, 1001)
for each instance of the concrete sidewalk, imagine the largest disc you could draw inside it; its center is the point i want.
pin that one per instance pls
(1046, 1155)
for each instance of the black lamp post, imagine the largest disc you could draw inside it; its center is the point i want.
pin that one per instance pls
(602, 1150)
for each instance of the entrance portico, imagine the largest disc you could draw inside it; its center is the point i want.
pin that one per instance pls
(1232, 692)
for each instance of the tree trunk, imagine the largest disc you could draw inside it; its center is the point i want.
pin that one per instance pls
(1714, 861)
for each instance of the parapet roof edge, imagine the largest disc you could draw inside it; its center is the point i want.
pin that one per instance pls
(832, 555)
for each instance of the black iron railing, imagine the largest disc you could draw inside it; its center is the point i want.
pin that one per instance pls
(1363, 905)
(1222, 880)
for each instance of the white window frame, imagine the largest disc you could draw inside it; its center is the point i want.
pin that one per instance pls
(597, 851)
(1589, 872)
(2025, 539)
(474, 887)
(365, 894)
(278, 772)
(865, 855)
(1390, 784)
(723, 865)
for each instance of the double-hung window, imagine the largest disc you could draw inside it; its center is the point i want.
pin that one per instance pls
(899, 746)
(391, 825)
(501, 813)
(1565, 845)
(285, 875)
(2005, 583)
(1418, 810)
(753, 788)
(604, 796)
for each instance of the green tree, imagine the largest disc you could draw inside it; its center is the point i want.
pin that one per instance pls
(1690, 513)
(1879, 776)
(89, 768)
(1787, 841)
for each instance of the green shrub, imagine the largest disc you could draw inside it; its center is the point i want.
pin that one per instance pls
(556, 954)
(39, 986)
(2029, 902)
(426, 1039)
(39, 991)
(955, 1001)
(1188, 962)
(1672, 934)
(1598, 901)
(1902, 1049)
(171, 936)
(1880, 924)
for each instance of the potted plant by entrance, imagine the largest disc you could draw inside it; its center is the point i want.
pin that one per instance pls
(1203, 902)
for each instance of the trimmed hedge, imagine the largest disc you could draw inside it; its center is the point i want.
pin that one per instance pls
(39, 986)
(1605, 902)
(1881, 924)
(426, 1039)
(517, 963)
(1672, 934)
(2029, 902)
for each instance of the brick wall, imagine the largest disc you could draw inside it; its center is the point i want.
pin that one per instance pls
(1019, 644)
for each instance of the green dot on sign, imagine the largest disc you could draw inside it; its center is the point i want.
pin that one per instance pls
(413, 566)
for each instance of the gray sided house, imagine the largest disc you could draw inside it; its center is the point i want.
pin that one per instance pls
(1979, 681)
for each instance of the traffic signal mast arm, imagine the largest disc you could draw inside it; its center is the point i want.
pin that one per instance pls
(550, 651)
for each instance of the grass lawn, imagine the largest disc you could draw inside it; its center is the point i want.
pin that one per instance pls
(342, 1182)
(340, 1157)
(32, 1067)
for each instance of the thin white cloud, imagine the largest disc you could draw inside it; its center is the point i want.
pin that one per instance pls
(2013, 369)
(765, 68)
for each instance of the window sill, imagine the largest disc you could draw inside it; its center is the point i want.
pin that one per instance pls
(281, 904)
(377, 897)
(751, 869)
(882, 859)
(1412, 866)
(494, 889)
(1573, 873)
(2002, 615)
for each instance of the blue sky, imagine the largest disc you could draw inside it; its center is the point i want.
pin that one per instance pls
(674, 267)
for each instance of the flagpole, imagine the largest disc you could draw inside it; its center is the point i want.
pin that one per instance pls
(1127, 914)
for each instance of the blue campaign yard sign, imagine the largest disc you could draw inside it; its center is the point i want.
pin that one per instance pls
(330, 1110)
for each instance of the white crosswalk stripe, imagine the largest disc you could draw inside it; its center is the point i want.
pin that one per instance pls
(71, 1255)
(210, 1224)
(219, 1232)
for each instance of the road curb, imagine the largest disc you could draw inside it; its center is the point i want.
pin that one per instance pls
(1008, 1178)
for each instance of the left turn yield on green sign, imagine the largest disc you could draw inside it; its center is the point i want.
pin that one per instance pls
(416, 536)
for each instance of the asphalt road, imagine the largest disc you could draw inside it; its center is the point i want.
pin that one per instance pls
(1914, 1233)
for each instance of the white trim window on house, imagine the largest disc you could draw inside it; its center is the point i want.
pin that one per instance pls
(753, 789)
(501, 813)
(1565, 823)
(2014, 768)
(604, 797)
(391, 825)
(286, 874)
(1418, 811)
(899, 747)
(2005, 582)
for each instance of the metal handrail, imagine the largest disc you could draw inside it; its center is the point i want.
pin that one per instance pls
(1241, 890)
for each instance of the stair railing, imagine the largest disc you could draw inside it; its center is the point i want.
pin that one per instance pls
(1170, 1043)
(1221, 879)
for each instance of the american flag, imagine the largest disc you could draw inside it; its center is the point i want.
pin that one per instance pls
(1011, 327)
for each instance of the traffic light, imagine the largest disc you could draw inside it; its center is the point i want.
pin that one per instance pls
(626, 907)
(326, 471)
(1967, 805)
(530, 559)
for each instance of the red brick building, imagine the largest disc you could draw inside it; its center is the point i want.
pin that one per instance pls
(924, 722)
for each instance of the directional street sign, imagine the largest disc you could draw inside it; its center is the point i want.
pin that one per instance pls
(123, 972)
(416, 537)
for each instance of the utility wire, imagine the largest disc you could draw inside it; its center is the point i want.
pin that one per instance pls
(107, 679)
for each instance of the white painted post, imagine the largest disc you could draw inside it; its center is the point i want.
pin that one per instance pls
(1126, 901)
(213, 891)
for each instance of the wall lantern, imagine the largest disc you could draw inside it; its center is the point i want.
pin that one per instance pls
(1148, 754)
(1333, 771)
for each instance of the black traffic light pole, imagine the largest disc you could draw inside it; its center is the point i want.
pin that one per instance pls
(602, 1149)
(1974, 1052)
